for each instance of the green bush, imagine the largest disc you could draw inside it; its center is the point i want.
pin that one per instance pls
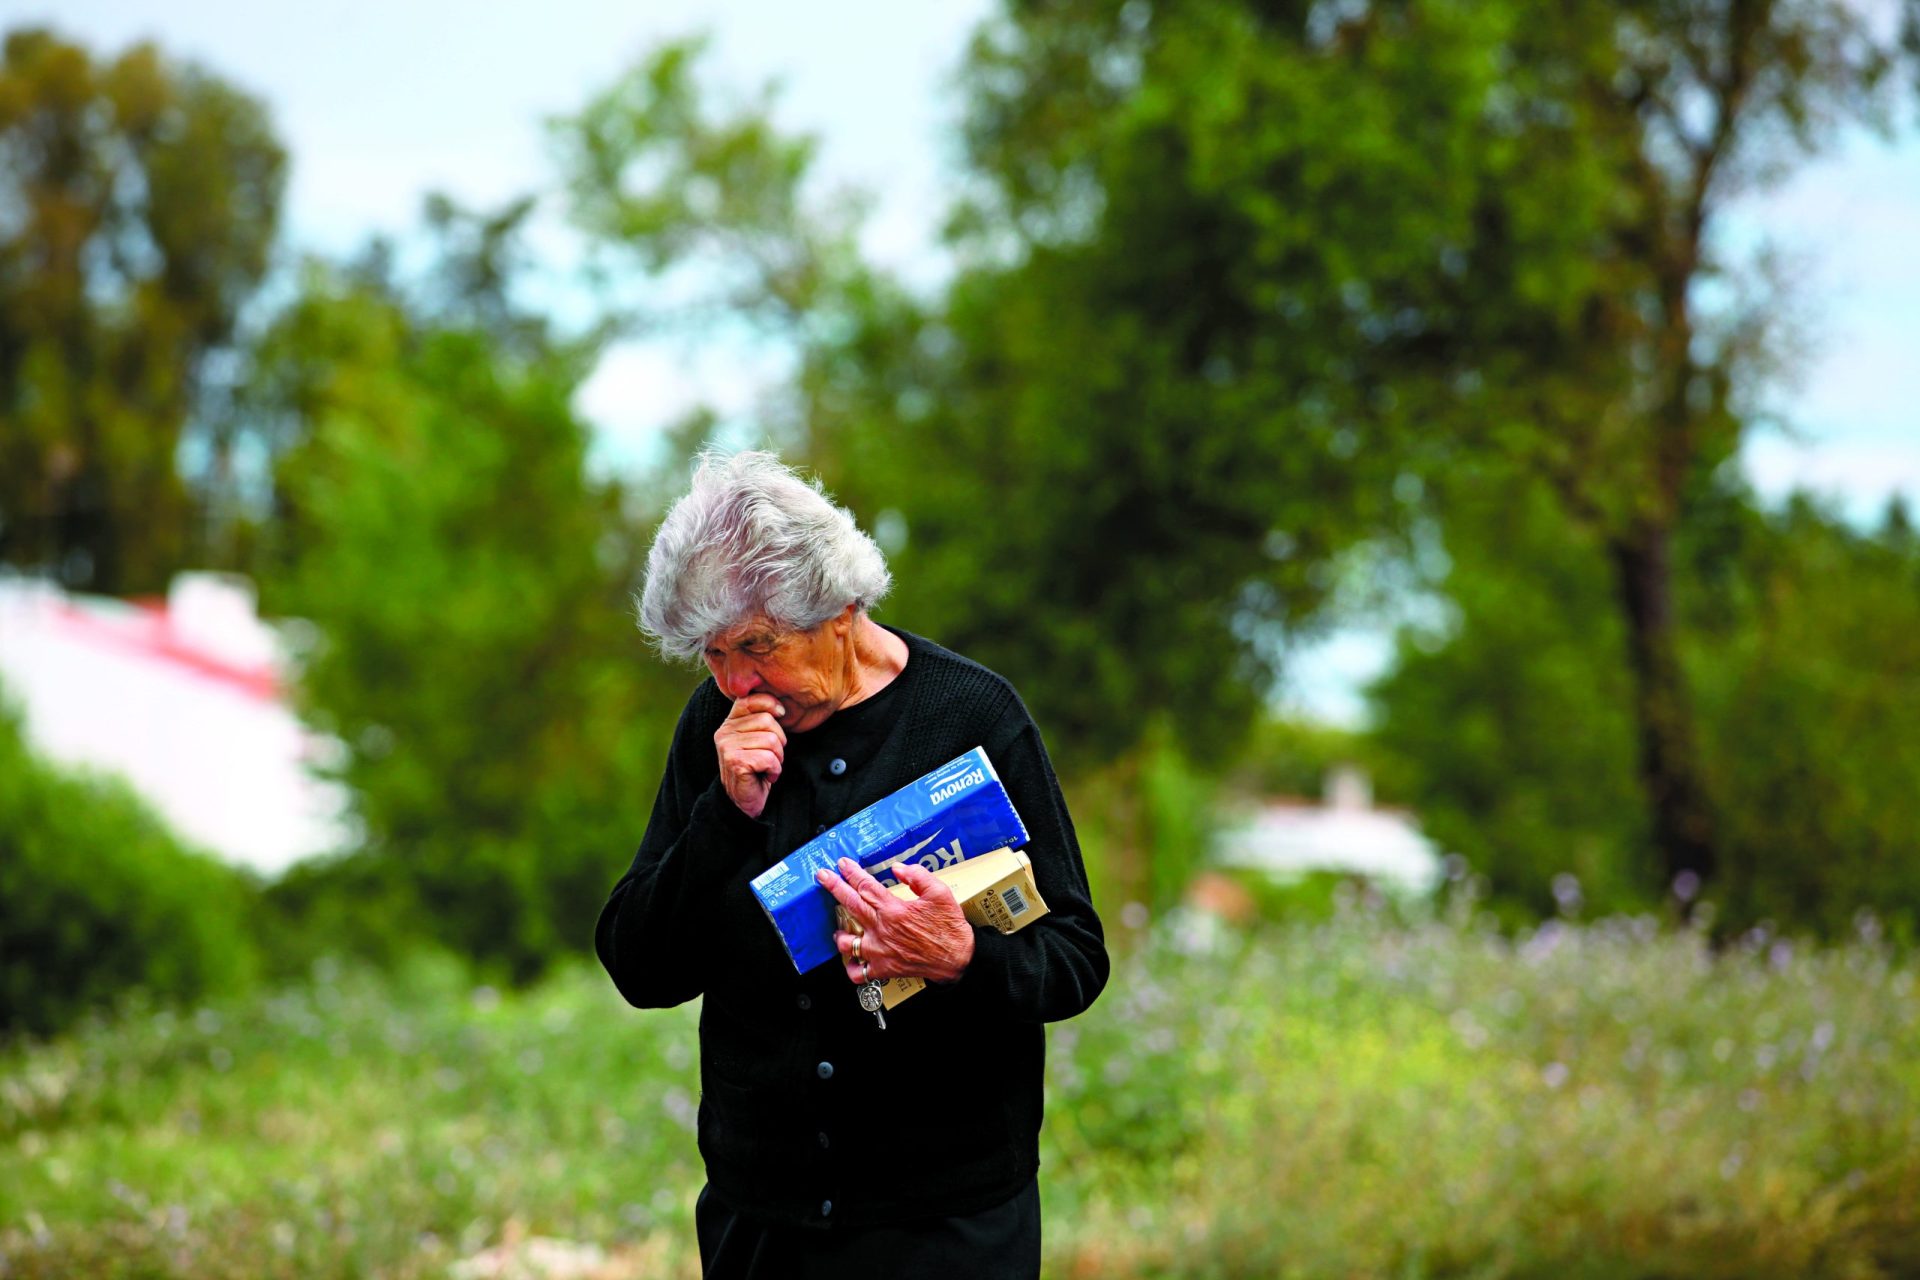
(354, 906)
(98, 899)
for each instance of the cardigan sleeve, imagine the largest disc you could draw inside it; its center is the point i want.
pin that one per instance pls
(1056, 966)
(696, 843)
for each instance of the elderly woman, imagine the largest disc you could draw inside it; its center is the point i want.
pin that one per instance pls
(833, 1145)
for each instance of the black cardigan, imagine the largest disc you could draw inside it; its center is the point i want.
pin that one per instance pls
(811, 1114)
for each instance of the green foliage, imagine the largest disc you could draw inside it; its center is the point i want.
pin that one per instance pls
(1807, 663)
(365, 904)
(143, 197)
(469, 584)
(1229, 276)
(1145, 825)
(1292, 757)
(659, 180)
(1329, 245)
(1613, 1100)
(1077, 512)
(1509, 731)
(1239, 288)
(98, 900)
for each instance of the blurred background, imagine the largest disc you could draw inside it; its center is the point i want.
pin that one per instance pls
(1440, 473)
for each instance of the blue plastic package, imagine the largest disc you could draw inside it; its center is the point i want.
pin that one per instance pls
(946, 817)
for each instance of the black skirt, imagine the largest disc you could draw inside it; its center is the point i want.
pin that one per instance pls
(1000, 1243)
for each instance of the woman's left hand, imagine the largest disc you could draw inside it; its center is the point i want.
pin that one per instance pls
(922, 937)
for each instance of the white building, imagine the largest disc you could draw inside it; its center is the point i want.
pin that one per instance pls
(1288, 839)
(184, 697)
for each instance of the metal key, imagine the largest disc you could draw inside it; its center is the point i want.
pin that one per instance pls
(870, 1001)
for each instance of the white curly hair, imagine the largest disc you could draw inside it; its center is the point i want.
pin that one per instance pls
(752, 537)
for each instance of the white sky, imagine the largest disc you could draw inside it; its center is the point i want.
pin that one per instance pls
(380, 103)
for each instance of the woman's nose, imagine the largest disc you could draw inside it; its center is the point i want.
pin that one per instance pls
(739, 679)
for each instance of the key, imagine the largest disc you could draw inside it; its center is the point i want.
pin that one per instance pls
(870, 1001)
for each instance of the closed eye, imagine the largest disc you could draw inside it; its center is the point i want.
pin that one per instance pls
(754, 648)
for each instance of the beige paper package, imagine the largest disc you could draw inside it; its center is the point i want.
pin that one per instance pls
(995, 890)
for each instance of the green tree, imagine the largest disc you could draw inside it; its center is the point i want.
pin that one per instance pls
(1506, 722)
(1456, 229)
(142, 199)
(468, 580)
(1237, 286)
(1510, 727)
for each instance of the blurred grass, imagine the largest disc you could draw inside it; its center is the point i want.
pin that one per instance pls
(1349, 1098)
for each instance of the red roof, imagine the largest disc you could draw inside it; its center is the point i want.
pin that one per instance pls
(146, 628)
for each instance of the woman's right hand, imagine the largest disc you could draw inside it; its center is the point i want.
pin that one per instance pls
(751, 746)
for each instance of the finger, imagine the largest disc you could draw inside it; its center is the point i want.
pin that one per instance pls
(923, 882)
(757, 704)
(844, 894)
(754, 724)
(753, 739)
(755, 764)
(865, 885)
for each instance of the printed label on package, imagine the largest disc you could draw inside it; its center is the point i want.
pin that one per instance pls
(939, 820)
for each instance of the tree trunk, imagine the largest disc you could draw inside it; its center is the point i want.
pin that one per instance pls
(1669, 760)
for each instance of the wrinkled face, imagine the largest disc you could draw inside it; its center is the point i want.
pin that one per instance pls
(811, 672)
